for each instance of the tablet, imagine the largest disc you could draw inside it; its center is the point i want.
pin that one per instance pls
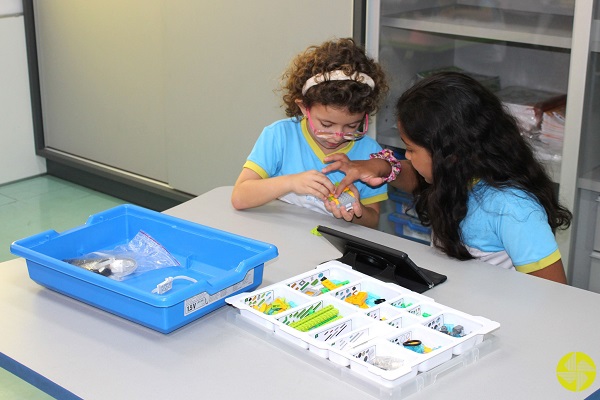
(381, 262)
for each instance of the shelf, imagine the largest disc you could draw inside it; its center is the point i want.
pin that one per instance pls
(421, 41)
(551, 30)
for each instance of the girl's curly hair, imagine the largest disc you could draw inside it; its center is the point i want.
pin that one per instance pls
(342, 54)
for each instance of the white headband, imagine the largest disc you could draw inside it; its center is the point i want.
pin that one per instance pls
(337, 75)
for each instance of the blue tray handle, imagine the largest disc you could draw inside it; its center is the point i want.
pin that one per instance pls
(114, 212)
(257, 259)
(34, 240)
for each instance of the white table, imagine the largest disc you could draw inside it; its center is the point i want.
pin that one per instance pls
(96, 355)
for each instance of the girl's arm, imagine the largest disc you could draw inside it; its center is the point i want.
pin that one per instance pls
(370, 216)
(554, 272)
(251, 190)
(372, 172)
(407, 180)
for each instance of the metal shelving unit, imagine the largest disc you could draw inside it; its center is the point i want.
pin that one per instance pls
(548, 45)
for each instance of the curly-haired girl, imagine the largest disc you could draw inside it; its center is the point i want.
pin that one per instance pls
(478, 183)
(328, 93)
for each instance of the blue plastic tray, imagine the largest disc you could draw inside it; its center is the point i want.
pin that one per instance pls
(222, 263)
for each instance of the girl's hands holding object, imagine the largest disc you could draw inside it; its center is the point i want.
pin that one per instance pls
(312, 183)
(339, 210)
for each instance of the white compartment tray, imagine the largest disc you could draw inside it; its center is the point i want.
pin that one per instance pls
(319, 318)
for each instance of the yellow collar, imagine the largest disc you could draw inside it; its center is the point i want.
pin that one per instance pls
(315, 146)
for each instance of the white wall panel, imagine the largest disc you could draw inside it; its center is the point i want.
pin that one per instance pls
(177, 91)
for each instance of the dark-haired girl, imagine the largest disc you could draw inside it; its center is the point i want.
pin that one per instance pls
(475, 179)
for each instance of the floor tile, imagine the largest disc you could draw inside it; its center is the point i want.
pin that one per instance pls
(45, 203)
(6, 200)
(32, 187)
(13, 388)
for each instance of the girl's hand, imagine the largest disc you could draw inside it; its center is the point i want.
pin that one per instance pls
(372, 172)
(313, 183)
(341, 212)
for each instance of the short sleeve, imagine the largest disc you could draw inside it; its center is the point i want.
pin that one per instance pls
(525, 233)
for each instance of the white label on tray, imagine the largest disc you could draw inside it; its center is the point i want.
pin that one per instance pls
(195, 303)
(203, 299)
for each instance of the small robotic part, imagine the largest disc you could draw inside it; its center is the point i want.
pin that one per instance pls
(117, 267)
(453, 330)
(345, 199)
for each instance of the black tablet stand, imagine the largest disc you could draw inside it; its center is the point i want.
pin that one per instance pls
(381, 262)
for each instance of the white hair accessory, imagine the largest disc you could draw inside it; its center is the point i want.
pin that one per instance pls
(337, 75)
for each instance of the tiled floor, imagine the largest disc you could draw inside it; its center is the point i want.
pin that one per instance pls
(32, 206)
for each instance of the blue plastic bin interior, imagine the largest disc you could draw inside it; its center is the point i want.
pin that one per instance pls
(404, 202)
(222, 263)
(402, 221)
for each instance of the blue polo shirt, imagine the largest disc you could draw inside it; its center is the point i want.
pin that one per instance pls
(286, 147)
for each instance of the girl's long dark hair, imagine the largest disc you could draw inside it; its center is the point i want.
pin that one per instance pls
(470, 135)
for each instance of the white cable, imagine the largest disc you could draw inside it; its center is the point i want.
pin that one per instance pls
(167, 284)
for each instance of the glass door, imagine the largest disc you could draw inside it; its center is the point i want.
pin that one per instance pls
(585, 257)
(517, 48)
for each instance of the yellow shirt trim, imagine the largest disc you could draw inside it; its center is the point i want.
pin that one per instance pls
(344, 150)
(541, 264)
(256, 168)
(374, 199)
(315, 147)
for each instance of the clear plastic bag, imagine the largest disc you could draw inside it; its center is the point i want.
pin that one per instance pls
(139, 255)
(387, 362)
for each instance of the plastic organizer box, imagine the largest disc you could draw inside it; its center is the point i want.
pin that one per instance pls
(214, 263)
(403, 203)
(410, 228)
(405, 220)
(388, 336)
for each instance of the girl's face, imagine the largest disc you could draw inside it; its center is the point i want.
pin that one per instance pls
(419, 156)
(331, 119)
